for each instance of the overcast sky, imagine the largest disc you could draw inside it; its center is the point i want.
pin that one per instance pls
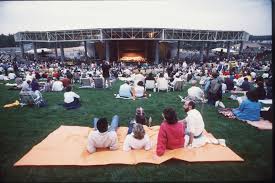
(253, 16)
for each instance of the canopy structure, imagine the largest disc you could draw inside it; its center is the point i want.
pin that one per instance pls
(160, 34)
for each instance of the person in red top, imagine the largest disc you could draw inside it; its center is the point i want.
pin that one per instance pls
(56, 75)
(171, 133)
(66, 82)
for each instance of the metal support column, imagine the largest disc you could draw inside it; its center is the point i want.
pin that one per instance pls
(117, 45)
(22, 49)
(55, 50)
(157, 52)
(107, 51)
(35, 51)
(241, 47)
(146, 50)
(62, 52)
(201, 53)
(207, 50)
(178, 50)
(85, 50)
(228, 50)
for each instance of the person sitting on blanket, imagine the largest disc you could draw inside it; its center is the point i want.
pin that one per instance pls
(194, 124)
(250, 108)
(171, 133)
(245, 85)
(137, 139)
(139, 90)
(260, 90)
(194, 92)
(125, 90)
(103, 137)
(140, 118)
(71, 99)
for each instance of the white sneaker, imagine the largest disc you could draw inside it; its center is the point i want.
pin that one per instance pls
(217, 103)
(221, 105)
(222, 142)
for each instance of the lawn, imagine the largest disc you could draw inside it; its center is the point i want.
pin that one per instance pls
(22, 128)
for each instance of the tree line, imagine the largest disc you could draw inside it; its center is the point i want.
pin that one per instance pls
(8, 41)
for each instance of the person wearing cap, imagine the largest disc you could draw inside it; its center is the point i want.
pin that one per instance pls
(140, 118)
(176, 78)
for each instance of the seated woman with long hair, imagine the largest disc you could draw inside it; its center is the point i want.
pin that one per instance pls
(171, 133)
(139, 90)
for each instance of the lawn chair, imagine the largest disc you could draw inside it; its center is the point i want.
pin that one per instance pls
(149, 84)
(178, 86)
(98, 82)
(85, 83)
(30, 98)
(162, 85)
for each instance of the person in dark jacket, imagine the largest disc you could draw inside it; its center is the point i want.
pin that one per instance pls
(260, 91)
(245, 85)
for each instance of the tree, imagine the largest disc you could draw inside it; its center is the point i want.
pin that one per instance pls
(7, 41)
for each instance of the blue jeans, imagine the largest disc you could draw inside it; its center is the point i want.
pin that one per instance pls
(130, 127)
(114, 123)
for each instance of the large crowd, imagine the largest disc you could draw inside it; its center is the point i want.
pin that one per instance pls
(209, 82)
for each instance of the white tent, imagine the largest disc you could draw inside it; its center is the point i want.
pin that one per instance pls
(224, 50)
(40, 50)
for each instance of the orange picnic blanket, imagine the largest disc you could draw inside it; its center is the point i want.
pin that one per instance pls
(67, 146)
(261, 124)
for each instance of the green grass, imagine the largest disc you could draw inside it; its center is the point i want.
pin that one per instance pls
(22, 128)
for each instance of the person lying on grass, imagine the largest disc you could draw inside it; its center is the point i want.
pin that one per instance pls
(103, 137)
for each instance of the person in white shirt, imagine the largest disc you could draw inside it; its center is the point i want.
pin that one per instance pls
(184, 65)
(138, 77)
(253, 75)
(2, 76)
(137, 139)
(194, 125)
(139, 90)
(194, 122)
(194, 92)
(57, 86)
(125, 90)
(71, 99)
(29, 77)
(103, 136)
(177, 77)
(26, 86)
(11, 75)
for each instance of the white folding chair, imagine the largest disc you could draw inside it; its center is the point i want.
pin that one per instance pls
(162, 84)
(149, 84)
